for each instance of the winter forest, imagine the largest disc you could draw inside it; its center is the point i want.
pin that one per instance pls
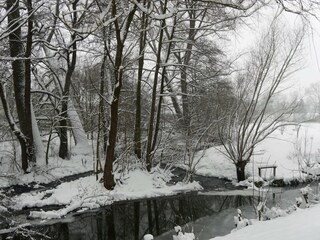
(159, 119)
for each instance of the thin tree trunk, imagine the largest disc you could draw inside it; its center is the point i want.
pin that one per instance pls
(108, 168)
(101, 116)
(27, 90)
(142, 44)
(183, 81)
(118, 73)
(149, 153)
(63, 150)
(183, 70)
(164, 74)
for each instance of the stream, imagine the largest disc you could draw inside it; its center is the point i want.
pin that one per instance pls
(207, 214)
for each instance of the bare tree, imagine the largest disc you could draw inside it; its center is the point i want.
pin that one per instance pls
(142, 46)
(250, 120)
(121, 29)
(304, 8)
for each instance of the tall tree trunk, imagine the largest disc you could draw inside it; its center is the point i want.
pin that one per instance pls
(163, 77)
(63, 149)
(142, 44)
(108, 173)
(118, 73)
(149, 153)
(183, 81)
(19, 80)
(101, 116)
(27, 90)
(193, 29)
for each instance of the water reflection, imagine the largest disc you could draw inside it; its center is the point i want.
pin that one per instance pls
(132, 220)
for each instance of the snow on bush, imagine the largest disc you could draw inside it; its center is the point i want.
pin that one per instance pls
(182, 236)
(240, 221)
(306, 191)
(255, 182)
(161, 175)
(298, 201)
(264, 213)
(140, 180)
(274, 212)
(88, 193)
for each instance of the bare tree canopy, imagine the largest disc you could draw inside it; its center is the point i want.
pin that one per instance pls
(250, 120)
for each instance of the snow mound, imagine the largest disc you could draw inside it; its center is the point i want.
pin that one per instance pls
(88, 193)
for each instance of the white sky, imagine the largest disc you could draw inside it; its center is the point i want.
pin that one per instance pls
(245, 36)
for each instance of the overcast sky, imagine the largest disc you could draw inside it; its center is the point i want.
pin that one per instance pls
(246, 36)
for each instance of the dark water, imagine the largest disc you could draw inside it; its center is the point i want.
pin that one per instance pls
(205, 215)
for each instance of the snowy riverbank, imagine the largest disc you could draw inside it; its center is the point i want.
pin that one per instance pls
(302, 224)
(87, 193)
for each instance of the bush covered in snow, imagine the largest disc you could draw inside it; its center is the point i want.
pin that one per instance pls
(182, 235)
(240, 221)
(306, 191)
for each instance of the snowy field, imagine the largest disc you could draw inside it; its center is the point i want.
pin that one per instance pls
(291, 149)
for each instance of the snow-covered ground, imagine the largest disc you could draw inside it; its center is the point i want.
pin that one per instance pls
(302, 224)
(84, 193)
(288, 148)
(81, 160)
(56, 169)
(87, 193)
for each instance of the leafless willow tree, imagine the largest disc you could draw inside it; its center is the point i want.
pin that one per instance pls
(251, 120)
